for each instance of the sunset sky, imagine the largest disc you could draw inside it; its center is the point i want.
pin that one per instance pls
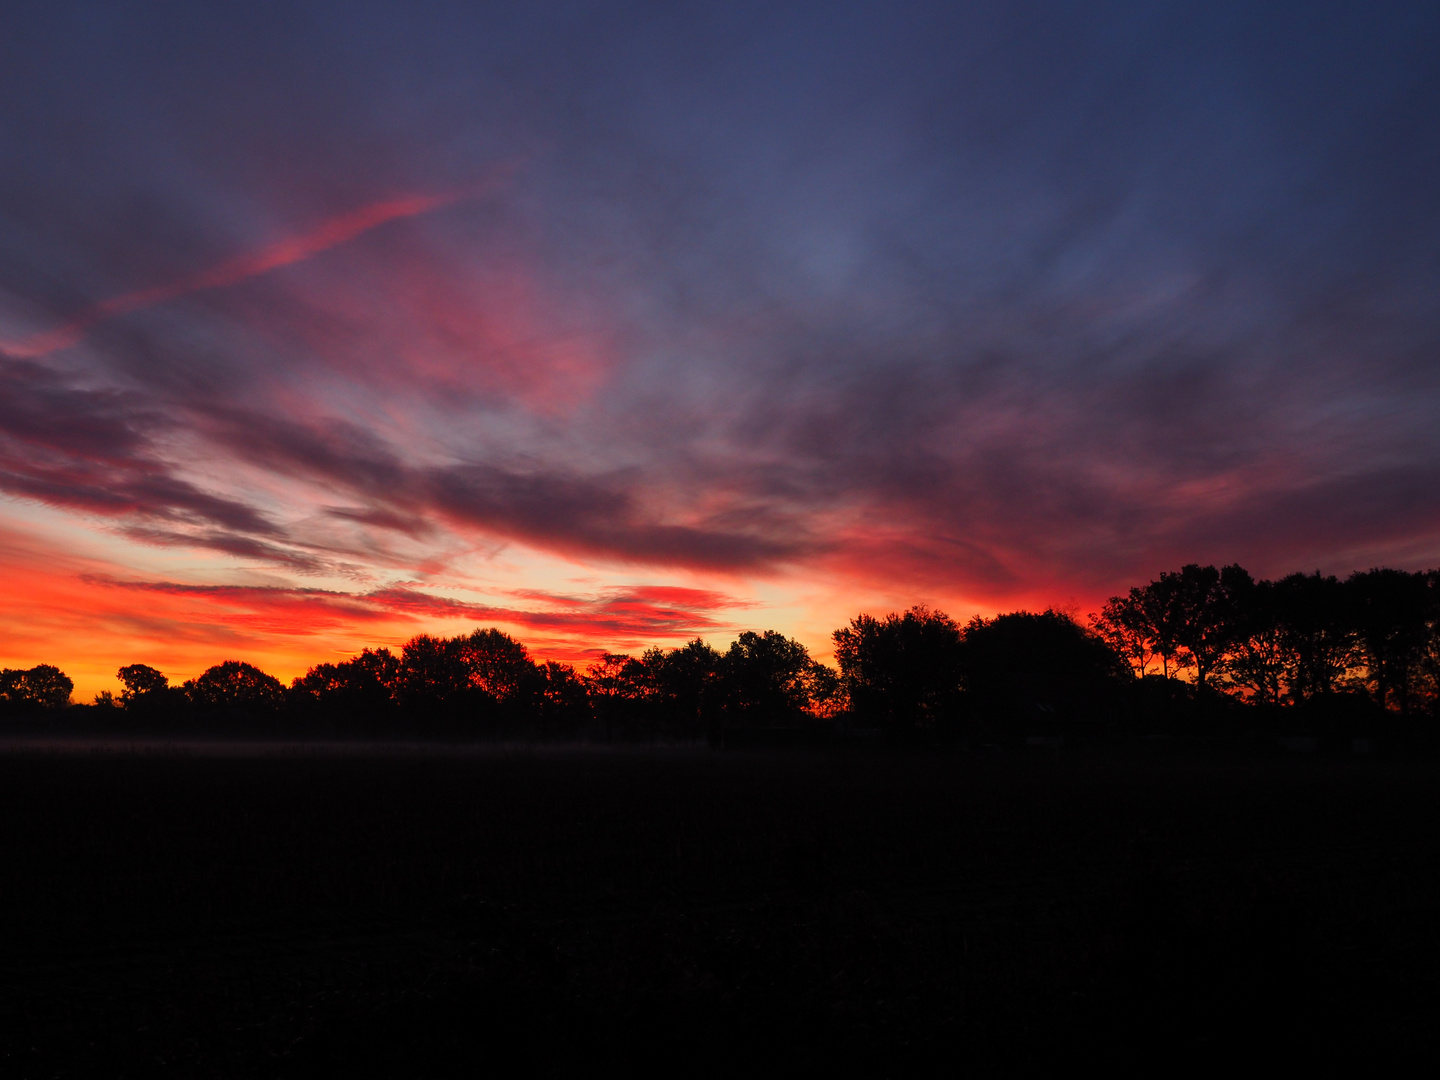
(323, 325)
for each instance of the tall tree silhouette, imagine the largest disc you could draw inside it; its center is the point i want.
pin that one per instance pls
(765, 679)
(1156, 612)
(1258, 659)
(1125, 623)
(1392, 616)
(1203, 613)
(1318, 632)
(902, 672)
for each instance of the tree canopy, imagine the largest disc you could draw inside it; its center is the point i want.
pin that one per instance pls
(901, 672)
(42, 687)
(235, 684)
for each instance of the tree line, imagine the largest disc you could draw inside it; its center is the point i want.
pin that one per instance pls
(1201, 645)
(1287, 642)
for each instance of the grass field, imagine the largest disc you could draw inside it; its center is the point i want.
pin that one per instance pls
(424, 914)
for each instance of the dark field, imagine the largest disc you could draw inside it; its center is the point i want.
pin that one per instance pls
(593, 911)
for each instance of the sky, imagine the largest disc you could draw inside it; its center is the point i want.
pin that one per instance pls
(613, 325)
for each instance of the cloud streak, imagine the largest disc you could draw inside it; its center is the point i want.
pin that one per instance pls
(284, 252)
(633, 613)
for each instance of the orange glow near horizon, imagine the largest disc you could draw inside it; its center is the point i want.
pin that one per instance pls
(90, 617)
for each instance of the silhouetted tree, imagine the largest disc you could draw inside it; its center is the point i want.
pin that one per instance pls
(432, 673)
(1392, 616)
(641, 686)
(657, 693)
(1203, 613)
(902, 672)
(483, 681)
(1126, 626)
(562, 706)
(235, 685)
(1429, 663)
(1257, 661)
(44, 686)
(1039, 670)
(359, 691)
(668, 692)
(142, 684)
(1317, 632)
(606, 674)
(495, 663)
(611, 685)
(48, 686)
(684, 680)
(1162, 611)
(765, 679)
(828, 698)
(1186, 618)
(147, 693)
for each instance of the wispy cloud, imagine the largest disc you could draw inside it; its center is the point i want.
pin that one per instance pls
(303, 611)
(284, 252)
